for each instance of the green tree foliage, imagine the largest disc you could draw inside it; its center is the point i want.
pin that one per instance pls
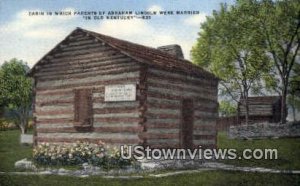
(250, 41)
(229, 46)
(227, 109)
(279, 24)
(16, 90)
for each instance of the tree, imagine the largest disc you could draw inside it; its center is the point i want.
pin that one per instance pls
(227, 109)
(279, 23)
(229, 47)
(271, 28)
(294, 90)
(16, 91)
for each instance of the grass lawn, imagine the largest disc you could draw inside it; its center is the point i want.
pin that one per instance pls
(204, 178)
(288, 151)
(11, 151)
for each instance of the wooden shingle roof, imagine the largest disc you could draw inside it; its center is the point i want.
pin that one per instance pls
(144, 54)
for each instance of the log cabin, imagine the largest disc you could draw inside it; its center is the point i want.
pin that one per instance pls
(93, 87)
(261, 109)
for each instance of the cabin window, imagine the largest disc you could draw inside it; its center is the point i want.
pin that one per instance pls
(83, 108)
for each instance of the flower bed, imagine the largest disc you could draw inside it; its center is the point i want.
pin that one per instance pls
(79, 153)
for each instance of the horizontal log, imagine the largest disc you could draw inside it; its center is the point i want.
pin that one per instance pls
(204, 127)
(90, 50)
(181, 93)
(91, 84)
(115, 110)
(203, 114)
(83, 70)
(205, 121)
(90, 65)
(168, 120)
(157, 111)
(128, 104)
(79, 43)
(53, 121)
(86, 61)
(156, 94)
(90, 140)
(54, 102)
(84, 56)
(53, 107)
(53, 112)
(45, 98)
(179, 87)
(80, 76)
(176, 77)
(60, 116)
(205, 132)
(158, 101)
(208, 118)
(111, 75)
(147, 135)
(205, 146)
(163, 141)
(204, 137)
(161, 125)
(203, 142)
(53, 92)
(101, 99)
(134, 119)
(135, 129)
(163, 106)
(116, 124)
(118, 115)
(162, 116)
(59, 125)
(81, 47)
(163, 146)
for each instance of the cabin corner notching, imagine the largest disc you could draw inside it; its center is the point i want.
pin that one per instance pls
(93, 87)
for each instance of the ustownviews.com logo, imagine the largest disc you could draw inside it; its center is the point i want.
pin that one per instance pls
(140, 152)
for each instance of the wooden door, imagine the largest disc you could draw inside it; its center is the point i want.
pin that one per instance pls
(187, 123)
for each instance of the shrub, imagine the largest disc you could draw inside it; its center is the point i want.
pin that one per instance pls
(78, 153)
(6, 125)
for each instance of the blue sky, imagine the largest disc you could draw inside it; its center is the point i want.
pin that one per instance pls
(30, 37)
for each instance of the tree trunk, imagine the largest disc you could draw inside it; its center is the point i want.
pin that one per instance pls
(293, 108)
(283, 104)
(22, 129)
(246, 108)
(247, 114)
(24, 120)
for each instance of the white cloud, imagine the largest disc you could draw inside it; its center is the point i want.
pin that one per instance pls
(44, 33)
(156, 8)
(31, 26)
(195, 20)
(29, 37)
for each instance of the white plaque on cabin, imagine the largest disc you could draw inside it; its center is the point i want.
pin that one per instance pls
(120, 92)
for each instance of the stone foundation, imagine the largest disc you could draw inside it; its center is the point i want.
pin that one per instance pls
(264, 130)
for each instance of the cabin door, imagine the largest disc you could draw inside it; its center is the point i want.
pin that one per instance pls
(187, 123)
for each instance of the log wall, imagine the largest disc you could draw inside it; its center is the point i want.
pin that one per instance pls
(165, 92)
(83, 62)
